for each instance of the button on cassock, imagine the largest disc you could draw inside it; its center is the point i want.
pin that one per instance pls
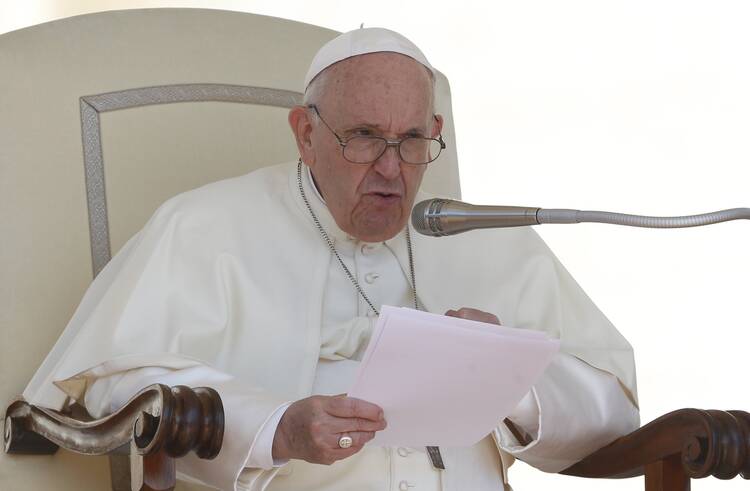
(371, 277)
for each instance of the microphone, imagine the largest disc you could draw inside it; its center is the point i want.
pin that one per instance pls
(439, 217)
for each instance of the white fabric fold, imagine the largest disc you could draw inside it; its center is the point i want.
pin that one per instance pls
(261, 456)
(594, 405)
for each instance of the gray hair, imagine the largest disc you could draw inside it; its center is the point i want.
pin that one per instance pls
(316, 88)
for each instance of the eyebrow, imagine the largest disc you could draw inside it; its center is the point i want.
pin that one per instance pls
(351, 128)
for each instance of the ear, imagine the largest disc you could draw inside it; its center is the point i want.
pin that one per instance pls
(301, 124)
(437, 126)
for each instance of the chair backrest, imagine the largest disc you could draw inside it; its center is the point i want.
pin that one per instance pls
(102, 118)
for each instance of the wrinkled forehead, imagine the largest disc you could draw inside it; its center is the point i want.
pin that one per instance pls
(379, 85)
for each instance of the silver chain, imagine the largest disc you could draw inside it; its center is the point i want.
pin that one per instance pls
(341, 262)
(433, 452)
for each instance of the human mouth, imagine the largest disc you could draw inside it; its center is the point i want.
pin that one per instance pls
(385, 197)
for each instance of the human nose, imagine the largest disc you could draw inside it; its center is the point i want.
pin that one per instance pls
(388, 164)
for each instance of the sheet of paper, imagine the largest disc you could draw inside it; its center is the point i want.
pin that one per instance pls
(444, 381)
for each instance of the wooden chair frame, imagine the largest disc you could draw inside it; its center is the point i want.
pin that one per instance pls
(143, 438)
(160, 424)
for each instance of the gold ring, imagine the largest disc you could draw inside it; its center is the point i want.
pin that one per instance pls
(345, 441)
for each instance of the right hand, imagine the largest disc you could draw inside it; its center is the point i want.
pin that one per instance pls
(310, 428)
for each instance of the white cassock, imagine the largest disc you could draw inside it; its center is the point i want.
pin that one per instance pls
(231, 286)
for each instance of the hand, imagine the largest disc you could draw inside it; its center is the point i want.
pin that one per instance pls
(310, 428)
(474, 315)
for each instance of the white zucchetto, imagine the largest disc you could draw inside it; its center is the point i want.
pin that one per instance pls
(360, 42)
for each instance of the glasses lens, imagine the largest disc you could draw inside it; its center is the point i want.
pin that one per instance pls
(420, 150)
(363, 150)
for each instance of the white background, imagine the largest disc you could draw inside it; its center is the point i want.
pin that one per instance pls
(631, 106)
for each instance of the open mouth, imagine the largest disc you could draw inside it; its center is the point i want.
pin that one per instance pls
(387, 196)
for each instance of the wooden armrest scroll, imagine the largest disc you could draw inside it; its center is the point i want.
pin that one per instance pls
(698, 443)
(158, 424)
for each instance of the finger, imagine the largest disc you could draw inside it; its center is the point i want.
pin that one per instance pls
(344, 425)
(333, 454)
(477, 315)
(467, 313)
(330, 455)
(359, 438)
(349, 407)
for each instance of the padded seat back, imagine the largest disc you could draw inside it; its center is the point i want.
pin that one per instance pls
(102, 118)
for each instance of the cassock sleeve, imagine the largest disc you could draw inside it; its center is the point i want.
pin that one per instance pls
(163, 303)
(587, 397)
(572, 411)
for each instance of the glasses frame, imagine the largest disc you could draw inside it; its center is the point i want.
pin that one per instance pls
(388, 143)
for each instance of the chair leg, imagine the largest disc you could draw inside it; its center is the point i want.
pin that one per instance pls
(667, 475)
(155, 472)
(119, 472)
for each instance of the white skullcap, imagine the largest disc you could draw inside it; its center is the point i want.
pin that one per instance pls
(360, 42)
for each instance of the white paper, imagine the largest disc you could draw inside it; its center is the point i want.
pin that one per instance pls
(445, 381)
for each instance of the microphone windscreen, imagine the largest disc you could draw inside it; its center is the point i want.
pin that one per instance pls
(418, 220)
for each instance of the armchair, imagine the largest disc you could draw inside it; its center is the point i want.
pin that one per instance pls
(104, 117)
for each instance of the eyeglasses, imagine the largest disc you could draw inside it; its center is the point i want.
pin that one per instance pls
(364, 149)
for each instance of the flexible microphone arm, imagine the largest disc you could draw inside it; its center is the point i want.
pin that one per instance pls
(439, 217)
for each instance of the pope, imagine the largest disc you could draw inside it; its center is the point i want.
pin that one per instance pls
(267, 286)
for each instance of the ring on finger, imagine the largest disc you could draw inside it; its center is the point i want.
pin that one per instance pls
(345, 441)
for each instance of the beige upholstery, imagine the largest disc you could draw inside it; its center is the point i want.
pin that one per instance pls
(149, 153)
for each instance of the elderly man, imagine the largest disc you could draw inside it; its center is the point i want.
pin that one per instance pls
(266, 287)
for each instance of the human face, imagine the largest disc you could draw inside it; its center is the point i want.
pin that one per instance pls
(384, 94)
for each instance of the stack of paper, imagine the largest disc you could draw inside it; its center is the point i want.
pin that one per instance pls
(445, 381)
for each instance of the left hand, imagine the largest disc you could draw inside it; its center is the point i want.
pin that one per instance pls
(474, 315)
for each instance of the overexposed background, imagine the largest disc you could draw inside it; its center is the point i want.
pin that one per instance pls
(632, 106)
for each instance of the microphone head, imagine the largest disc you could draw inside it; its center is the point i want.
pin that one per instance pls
(418, 219)
(439, 217)
(425, 217)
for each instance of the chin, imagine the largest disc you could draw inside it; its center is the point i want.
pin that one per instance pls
(378, 226)
(379, 234)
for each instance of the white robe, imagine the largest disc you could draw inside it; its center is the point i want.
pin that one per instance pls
(224, 287)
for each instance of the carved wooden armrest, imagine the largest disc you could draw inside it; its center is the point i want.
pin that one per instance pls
(671, 450)
(156, 426)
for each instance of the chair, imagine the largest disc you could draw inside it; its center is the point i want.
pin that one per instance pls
(105, 116)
